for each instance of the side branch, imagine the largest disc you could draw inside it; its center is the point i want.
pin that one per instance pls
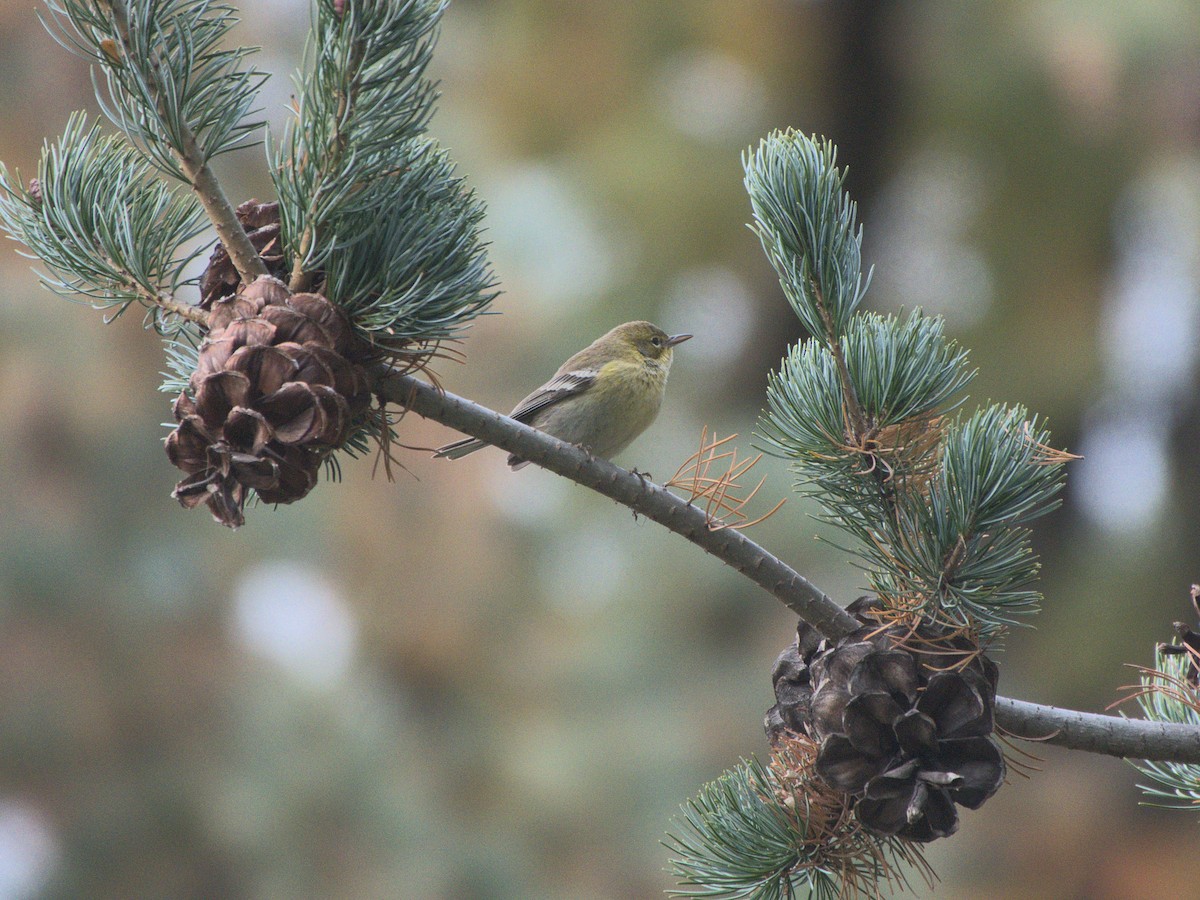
(855, 415)
(183, 310)
(200, 175)
(1111, 735)
(220, 212)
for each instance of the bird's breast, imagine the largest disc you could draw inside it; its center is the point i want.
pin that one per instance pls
(608, 416)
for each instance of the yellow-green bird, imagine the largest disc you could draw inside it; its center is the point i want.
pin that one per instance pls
(601, 398)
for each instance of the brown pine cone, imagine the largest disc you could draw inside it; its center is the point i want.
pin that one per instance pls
(275, 391)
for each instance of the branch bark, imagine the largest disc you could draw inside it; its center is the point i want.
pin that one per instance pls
(221, 213)
(1110, 735)
(183, 310)
(1095, 733)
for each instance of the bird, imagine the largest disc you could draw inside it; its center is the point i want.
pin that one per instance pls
(601, 398)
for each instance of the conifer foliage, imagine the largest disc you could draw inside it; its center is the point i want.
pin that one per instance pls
(370, 255)
(370, 220)
(897, 717)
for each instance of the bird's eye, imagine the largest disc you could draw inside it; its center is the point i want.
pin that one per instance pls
(656, 341)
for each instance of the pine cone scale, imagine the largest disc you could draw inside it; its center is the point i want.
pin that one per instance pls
(867, 722)
(246, 431)
(187, 445)
(291, 410)
(194, 490)
(268, 368)
(915, 732)
(218, 394)
(961, 708)
(843, 766)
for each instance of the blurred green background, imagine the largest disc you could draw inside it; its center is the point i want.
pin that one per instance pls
(478, 684)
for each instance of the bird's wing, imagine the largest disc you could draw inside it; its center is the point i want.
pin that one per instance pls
(557, 389)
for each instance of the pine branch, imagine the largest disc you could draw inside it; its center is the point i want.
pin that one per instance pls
(178, 96)
(1168, 693)
(818, 256)
(103, 222)
(731, 821)
(1095, 733)
(363, 98)
(767, 832)
(963, 547)
(636, 492)
(1109, 735)
(366, 199)
(421, 271)
(186, 311)
(221, 213)
(904, 371)
(937, 505)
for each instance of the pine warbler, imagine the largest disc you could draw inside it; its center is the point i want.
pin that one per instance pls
(602, 397)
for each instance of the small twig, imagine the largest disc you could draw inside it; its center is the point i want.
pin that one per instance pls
(856, 417)
(220, 212)
(183, 310)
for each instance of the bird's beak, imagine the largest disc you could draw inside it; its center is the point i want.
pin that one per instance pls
(677, 339)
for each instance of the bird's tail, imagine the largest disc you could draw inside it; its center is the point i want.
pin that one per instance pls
(458, 449)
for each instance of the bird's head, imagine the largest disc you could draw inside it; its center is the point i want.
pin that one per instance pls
(649, 340)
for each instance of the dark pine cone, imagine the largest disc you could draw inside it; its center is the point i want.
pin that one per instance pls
(1189, 642)
(901, 730)
(274, 392)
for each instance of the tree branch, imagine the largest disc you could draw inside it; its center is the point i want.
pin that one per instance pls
(635, 491)
(1111, 735)
(194, 165)
(183, 310)
(221, 213)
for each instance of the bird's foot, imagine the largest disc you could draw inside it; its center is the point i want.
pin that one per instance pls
(646, 480)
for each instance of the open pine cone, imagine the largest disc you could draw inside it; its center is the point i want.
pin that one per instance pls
(274, 392)
(901, 730)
